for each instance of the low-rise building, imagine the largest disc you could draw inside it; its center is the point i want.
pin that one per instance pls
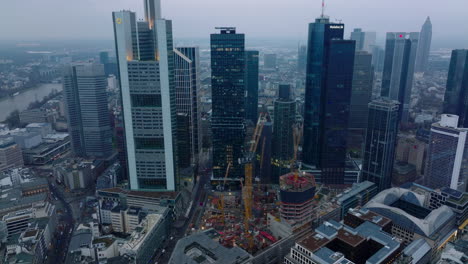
(358, 195)
(10, 154)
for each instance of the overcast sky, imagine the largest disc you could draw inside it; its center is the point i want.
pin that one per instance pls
(91, 19)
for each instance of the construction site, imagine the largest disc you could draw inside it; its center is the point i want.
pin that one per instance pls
(249, 218)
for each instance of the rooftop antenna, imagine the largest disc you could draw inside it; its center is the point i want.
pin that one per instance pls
(323, 8)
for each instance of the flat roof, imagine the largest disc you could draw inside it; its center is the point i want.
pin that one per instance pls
(147, 194)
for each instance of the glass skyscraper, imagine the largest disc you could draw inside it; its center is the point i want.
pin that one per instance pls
(228, 102)
(283, 140)
(363, 82)
(398, 71)
(456, 93)
(88, 115)
(330, 62)
(251, 85)
(379, 151)
(187, 82)
(424, 48)
(146, 64)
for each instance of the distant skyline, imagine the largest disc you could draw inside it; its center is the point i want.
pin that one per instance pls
(31, 20)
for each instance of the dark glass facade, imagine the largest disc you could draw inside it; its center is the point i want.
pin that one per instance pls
(379, 151)
(283, 141)
(330, 63)
(228, 102)
(363, 80)
(456, 93)
(251, 85)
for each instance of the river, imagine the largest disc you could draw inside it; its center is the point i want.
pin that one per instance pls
(22, 100)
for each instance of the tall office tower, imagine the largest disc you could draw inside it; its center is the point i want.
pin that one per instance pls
(283, 140)
(447, 155)
(364, 40)
(187, 82)
(183, 140)
(228, 102)
(378, 57)
(251, 85)
(88, 115)
(269, 61)
(145, 56)
(363, 80)
(330, 62)
(381, 136)
(424, 47)
(263, 171)
(301, 58)
(110, 65)
(398, 72)
(456, 93)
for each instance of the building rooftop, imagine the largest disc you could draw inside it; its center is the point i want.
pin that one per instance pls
(367, 215)
(79, 239)
(355, 190)
(146, 194)
(201, 248)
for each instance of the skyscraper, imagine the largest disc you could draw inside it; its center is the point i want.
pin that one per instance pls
(251, 85)
(187, 82)
(228, 102)
(456, 93)
(330, 61)
(283, 140)
(379, 151)
(447, 155)
(145, 57)
(88, 114)
(363, 80)
(364, 40)
(301, 58)
(398, 72)
(424, 47)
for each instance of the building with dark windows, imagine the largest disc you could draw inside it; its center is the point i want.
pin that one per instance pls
(446, 162)
(456, 93)
(398, 71)
(183, 140)
(363, 80)
(301, 58)
(330, 62)
(110, 64)
(228, 102)
(145, 57)
(187, 83)
(378, 57)
(251, 85)
(269, 61)
(381, 136)
(424, 48)
(88, 115)
(263, 171)
(283, 140)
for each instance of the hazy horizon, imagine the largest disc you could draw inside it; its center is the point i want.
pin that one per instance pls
(50, 20)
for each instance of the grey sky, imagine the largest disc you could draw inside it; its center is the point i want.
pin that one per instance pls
(91, 19)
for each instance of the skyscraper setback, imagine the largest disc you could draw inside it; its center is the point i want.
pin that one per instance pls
(88, 116)
(456, 93)
(398, 71)
(146, 65)
(228, 102)
(330, 61)
(424, 48)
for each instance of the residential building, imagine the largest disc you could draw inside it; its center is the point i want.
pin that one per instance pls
(283, 130)
(379, 151)
(88, 114)
(251, 85)
(146, 67)
(398, 71)
(228, 102)
(456, 91)
(327, 99)
(447, 155)
(424, 48)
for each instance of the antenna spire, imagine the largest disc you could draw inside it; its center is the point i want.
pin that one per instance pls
(323, 8)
